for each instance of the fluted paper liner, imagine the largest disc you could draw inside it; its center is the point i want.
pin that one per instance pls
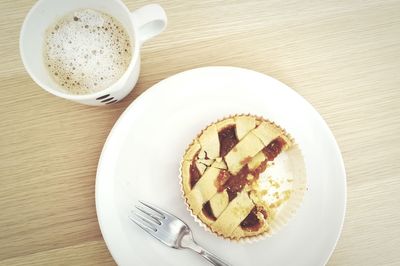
(289, 165)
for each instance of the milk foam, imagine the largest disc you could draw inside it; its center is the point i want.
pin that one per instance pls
(86, 51)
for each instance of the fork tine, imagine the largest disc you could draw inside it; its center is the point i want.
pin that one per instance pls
(156, 209)
(154, 218)
(145, 227)
(150, 221)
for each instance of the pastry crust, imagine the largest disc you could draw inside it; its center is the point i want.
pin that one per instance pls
(244, 124)
(185, 169)
(267, 132)
(226, 184)
(191, 152)
(225, 123)
(219, 202)
(209, 142)
(203, 190)
(246, 148)
(233, 215)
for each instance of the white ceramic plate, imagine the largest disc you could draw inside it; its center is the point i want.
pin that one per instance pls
(140, 160)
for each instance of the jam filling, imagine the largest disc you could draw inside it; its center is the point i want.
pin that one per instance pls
(261, 168)
(227, 140)
(274, 148)
(236, 182)
(194, 173)
(251, 222)
(222, 177)
(208, 211)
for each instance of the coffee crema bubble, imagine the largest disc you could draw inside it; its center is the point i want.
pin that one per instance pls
(86, 51)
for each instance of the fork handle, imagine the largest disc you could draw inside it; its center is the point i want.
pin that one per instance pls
(212, 258)
(205, 253)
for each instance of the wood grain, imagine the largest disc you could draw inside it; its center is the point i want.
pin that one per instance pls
(342, 56)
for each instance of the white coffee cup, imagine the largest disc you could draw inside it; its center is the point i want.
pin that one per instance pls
(141, 25)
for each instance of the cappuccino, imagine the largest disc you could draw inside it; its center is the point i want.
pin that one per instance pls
(86, 51)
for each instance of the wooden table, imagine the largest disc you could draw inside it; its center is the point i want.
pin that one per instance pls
(342, 56)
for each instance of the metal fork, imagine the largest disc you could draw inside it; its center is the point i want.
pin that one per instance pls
(170, 230)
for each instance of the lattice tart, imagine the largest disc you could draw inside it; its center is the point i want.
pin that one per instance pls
(243, 177)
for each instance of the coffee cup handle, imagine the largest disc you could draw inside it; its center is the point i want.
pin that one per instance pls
(149, 21)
